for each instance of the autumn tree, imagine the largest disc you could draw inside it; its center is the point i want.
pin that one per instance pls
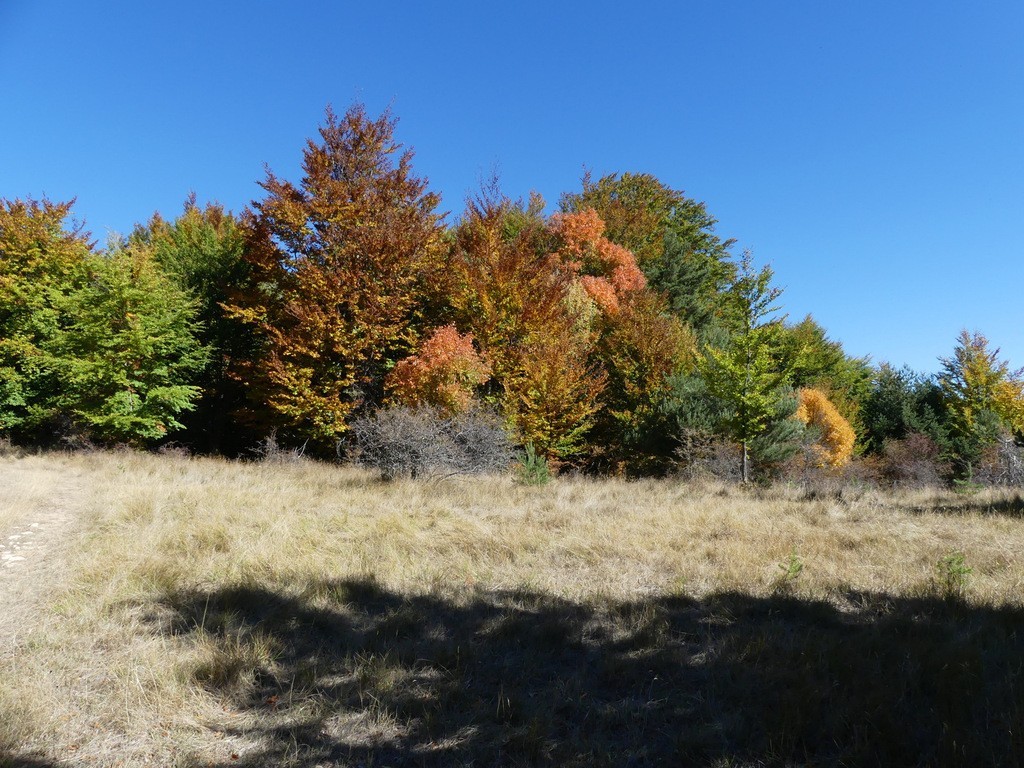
(817, 362)
(202, 252)
(532, 321)
(745, 374)
(836, 436)
(982, 397)
(445, 373)
(41, 253)
(607, 272)
(671, 236)
(640, 344)
(336, 265)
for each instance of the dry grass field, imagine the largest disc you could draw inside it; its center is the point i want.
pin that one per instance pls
(193, 612)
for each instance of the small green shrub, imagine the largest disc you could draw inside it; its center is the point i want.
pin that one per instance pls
(790, 568)
(952, 575)
(967, 486)
(533, 469)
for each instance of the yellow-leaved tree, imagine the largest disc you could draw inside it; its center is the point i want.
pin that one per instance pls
(837, 436)
(982, 396)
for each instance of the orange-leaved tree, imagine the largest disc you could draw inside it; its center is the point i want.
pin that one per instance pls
(639, 343)
(445, 373)
(671, 236)
(608, 272)
(837, 436)
(519, 301)
(335, 268)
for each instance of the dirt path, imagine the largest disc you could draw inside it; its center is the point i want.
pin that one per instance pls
(33, 547)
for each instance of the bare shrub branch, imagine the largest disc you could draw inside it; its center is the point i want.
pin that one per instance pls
(421, 442)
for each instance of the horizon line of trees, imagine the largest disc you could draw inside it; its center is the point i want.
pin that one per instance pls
(619, 334)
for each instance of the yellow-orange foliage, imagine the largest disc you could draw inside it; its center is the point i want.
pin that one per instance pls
(837, 436)
(444, 374)
(532, 320)
(607, 272)
(579, 230)
(602, 291)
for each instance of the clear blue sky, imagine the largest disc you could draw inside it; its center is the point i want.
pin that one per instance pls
(872, 152)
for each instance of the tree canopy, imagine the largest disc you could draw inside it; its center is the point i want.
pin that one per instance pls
(616, 334)
(334, 263)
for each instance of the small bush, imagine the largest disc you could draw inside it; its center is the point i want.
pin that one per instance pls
(1002, 463)
(913, 462)
(421, 442)
(175, 450)
(790, 568)
(952, 576)
(850, 481)
(703, 455)
(269, 451)
(533, 469)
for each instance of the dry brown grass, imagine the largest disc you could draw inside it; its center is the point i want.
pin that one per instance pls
(305, 614)
(27, 487)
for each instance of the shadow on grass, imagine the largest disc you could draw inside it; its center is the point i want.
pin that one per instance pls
(348, 673)
(1008, 507)
(9, 759)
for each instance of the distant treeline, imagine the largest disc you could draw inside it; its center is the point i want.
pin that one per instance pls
(620, 334)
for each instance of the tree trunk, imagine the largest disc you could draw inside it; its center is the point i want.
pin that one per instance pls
(745, 471)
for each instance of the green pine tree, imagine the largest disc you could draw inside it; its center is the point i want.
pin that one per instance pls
(745, 374)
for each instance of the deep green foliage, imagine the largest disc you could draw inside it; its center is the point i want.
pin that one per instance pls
(691, 405)
(982, 398)
(126, 352)
(533, 468)
(782, 437)
(202, 252)
(694, 416)
(690, 284)
(902, 402)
